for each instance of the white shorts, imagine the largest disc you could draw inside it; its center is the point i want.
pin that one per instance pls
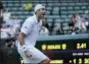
(37, 55)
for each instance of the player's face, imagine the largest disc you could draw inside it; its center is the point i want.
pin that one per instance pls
(41, 13)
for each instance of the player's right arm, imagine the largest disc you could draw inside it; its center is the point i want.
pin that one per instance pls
(25, 30)
(21, 38)
(24, 47)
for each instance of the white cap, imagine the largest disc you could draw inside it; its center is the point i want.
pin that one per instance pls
(38, 6)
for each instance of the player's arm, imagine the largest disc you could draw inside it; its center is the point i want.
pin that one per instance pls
(25, 30)
(21, 38)
(21, 41)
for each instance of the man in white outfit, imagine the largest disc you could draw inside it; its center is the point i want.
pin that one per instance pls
(27, 38)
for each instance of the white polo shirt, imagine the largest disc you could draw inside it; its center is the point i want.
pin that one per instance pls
(31, 29)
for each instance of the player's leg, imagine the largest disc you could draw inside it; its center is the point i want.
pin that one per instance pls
(41, 57)
(45, 61)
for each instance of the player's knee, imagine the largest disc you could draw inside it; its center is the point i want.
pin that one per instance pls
(46, 61)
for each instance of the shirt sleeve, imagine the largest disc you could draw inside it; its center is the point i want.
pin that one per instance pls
(27, 27)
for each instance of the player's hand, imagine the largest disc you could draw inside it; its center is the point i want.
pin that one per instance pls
(26, 51)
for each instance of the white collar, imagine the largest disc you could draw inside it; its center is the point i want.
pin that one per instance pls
(36, 19)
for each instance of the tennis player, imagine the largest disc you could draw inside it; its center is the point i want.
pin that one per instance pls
(28, 36)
